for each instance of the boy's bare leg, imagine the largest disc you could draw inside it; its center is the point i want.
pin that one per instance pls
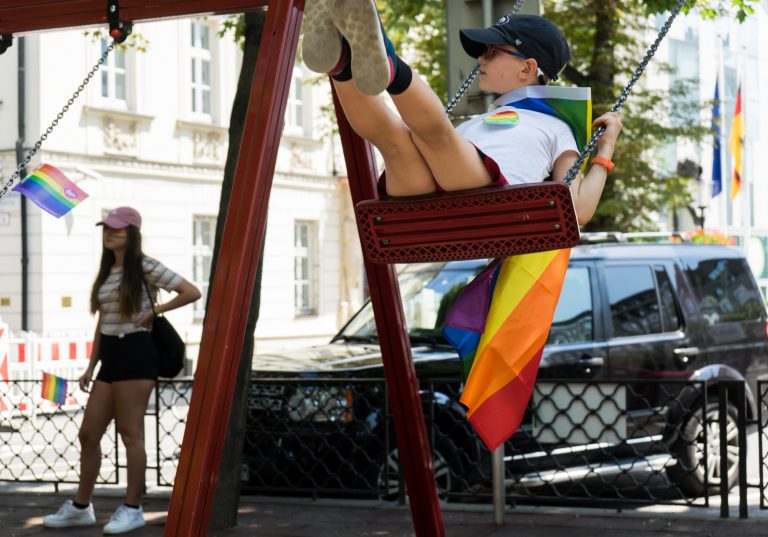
(454, 161)
(407, 172)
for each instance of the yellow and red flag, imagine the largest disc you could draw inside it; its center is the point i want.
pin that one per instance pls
(736, 145)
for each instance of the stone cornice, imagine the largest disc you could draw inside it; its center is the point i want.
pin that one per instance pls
(124, 115)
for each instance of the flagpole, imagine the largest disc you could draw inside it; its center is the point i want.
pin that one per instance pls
(746, 180)
(724, 191)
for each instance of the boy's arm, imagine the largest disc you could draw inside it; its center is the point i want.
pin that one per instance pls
(587, 189)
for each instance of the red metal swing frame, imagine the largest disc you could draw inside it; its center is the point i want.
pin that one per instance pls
(453, 226)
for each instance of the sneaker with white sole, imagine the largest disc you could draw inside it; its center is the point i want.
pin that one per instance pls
(69, 516)
(321, 47)
(125, 519)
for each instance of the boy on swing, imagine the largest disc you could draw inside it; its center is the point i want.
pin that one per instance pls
(422, 151)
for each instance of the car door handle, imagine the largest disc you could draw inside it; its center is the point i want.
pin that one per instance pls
(685, 354)
(591, 361)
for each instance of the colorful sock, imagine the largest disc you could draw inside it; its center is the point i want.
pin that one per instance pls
(402, 79)
(343, 70)
(400, 74)
(79, 505)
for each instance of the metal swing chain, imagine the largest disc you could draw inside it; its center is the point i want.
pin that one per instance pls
(573, 172)
(471, 76)
(15, 175)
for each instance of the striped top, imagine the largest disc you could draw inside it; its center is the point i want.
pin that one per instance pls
(157, 276)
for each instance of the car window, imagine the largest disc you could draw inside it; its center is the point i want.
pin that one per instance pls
(427, 293)
(633, 300)
(670, 312)
(573, 319)
(726, 290)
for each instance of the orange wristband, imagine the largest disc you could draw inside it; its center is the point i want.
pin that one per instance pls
(602, 161)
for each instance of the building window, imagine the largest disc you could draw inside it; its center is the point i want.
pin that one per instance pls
(294, 111)
(203, 236)
(113, 76)
(305, 271)
(200, 69)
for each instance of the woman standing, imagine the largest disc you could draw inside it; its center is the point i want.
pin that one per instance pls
(123, 344)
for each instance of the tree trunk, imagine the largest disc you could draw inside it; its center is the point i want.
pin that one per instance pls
(227, 498)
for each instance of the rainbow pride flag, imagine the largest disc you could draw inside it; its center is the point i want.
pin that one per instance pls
(54, 388)
(570, 104)
(50, 190)
(499, 325)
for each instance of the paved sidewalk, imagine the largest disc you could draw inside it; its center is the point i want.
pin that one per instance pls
(22, 511)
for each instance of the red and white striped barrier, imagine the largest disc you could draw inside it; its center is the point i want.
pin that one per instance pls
(24, 357)
(4, 367)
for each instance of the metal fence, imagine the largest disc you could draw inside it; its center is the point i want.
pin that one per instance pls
(39, 440)
(589, 442)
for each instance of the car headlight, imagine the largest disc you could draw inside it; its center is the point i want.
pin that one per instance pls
(321, 404)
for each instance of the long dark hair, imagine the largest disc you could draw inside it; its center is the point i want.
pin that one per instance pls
(132, 285)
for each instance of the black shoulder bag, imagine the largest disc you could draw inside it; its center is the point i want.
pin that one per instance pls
(170, 347)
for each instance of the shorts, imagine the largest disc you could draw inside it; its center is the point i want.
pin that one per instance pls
(497, 178)
(129, 357)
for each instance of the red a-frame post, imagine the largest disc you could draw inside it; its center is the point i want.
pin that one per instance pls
(243, 235)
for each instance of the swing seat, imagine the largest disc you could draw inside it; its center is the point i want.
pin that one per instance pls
(468, 224)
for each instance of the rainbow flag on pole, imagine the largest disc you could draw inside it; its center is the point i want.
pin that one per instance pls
(50, 190)
(499, 324)
(54, 388)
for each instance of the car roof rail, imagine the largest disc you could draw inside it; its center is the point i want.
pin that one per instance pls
(665, 237)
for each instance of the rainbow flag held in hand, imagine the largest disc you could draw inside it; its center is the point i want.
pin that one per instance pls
(51, 190)
(54, 388)
(499, 325)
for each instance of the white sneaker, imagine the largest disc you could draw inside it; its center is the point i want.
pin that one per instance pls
(68, 516)
(125, 519)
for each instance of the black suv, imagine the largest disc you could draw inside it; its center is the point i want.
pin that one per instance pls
(642, 334)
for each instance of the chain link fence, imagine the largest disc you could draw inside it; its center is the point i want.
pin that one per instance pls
(587, 442)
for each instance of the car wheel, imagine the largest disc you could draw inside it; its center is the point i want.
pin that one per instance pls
(445, 461)
(690, 472)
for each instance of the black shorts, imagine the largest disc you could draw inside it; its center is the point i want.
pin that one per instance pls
(129, 357)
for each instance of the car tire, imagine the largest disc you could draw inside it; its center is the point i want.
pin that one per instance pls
(446, 462)
(689, 472)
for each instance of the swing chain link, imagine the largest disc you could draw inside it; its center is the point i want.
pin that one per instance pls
(573, 172)
(471, 76)
(35, 148)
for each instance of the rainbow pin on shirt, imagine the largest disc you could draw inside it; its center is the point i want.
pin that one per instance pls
(507, 118)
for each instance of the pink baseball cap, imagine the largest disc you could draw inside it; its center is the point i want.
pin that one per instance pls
(122, 217)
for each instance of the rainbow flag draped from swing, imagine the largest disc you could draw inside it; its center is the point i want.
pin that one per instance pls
(500, 321)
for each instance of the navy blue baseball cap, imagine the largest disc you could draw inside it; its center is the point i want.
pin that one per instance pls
(534, 36)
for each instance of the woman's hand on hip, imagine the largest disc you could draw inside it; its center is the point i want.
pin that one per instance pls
(145, 319)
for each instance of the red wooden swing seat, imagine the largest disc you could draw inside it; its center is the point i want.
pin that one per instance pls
(470, 224)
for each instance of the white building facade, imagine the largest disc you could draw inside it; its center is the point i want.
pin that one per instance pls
(151, 131)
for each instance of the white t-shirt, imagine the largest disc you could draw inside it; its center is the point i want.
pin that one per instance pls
(157, 276)
(523, 143)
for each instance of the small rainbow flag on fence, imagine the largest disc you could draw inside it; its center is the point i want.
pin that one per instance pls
(54, 388)
(51, 190)
(499, 325)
